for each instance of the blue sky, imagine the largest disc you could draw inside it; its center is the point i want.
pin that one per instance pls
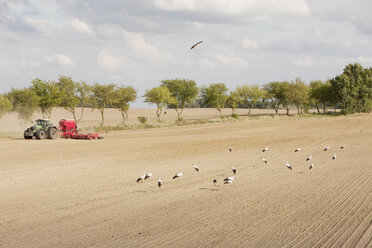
(140, 42)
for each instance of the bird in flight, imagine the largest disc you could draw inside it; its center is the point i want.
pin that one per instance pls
(196, 44)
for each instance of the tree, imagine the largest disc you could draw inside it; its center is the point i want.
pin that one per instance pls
(183, 90)
(322, 93)
(102, 97)
(5, 105)
(69, 94)
(25, 102)
(49, 95)
(273, 91)
(297, 94)
(161, 97)
(233, 100)
(123, 96)
(83, 91)
(284, 97)
(353, 88)
(250, 95)
(215, 95)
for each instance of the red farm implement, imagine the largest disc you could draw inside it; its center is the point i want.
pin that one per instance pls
(69, 131)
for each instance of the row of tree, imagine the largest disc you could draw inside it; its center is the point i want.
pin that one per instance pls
(351, 91)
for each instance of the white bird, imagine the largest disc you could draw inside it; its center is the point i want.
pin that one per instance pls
(327, 148)
(230, 149)
(311, 166)
(160, 182)
(288, 165)
(228, 182)
(264, 160)
(148, 175)
(195, 167)
(334, 157)
(309, 158)
(265, 149)
(298, 149)
(140, 178)
(343, 146)
(233, 169)
(229, 178)
(215, 181)
(180, 174)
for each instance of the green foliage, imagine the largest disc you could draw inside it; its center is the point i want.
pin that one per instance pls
(159, 96)
(353, 88)
(233, 100)
(25, 102)
(5, 105)
(142, 119)
(102, 97)
(275, 92)
(49, 95)
(322, 94)
(297, 94)
(215, 95)
(184, 92)
(123, 96)
(235, 115)
(249, 95)
(69, 94)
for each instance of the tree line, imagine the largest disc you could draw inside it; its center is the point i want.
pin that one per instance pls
(351, 91)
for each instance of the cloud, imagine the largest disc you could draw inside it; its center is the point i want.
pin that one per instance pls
(306, 61)
(82, 27)
(366, 61)
(60, 59)
(250, 44)
(108, 61)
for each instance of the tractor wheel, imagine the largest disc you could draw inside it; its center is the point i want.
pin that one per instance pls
(26, 135)
(52, 133)
(40, 134)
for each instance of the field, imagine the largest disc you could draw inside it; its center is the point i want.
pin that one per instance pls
(77, 193)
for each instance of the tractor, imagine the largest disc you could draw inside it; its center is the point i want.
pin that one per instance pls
(41, 129)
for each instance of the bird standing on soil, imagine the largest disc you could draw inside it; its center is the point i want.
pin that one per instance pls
(195, 167)
(233, 169)
(309, 158)
(334, 157)
(343, 146)
(230, 149)
(327, 148)
(141, 178)
(229, 179)
(228, 182)
(160, 182)
(148, 175)
(265, 149)
(298, 149)
(311, 166)
(264, 160)
(215, 181)
(288, 165)
(178, 175)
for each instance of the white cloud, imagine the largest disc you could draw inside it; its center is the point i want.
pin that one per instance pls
(250, 44)
(237, 7)
(207, 63)
(231, 60)
(30, 63)
(60, 59)
(306, 61)
(108, 61)
(82, 27)
(365, 61)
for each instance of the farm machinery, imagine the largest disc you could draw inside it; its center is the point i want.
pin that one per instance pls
(69, 130)
(41, 129)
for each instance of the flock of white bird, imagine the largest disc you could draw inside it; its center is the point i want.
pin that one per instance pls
(229, 180)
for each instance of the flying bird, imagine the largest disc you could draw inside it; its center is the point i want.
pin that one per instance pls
(140, 178)
(327, 148)
(180, 174)
(229, 178)
(196, 44)
(160, 182)
(264, 160)
(148, 175)
(195, 167)
(343, 146)
(215, 181)
(309, 158)
(265, 149)
(334, 157)
(233, 169)
(298, 149)
(288, 165)
(230, 148)
(311, 166)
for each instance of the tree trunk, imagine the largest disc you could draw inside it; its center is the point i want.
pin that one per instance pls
(220, 111)
(276, 107)
(158, 113)
(178, 114)
(318, 109)
(102, 116)
(82, 113)
(249, 111)
(123, 115)
(74, 114)
(287, 111)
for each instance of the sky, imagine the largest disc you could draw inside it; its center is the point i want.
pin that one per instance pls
(141, 42)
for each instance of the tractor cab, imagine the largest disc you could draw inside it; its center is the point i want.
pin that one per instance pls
(43, 122)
